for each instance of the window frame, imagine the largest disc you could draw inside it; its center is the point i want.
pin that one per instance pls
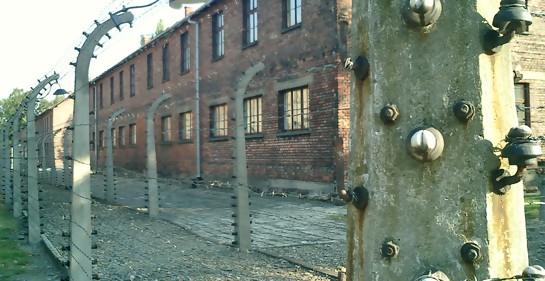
(112, 90)
(132, 82)
(216, 119)
(185, 53)
(101, 137)
(218, 35)
(132, 134)
(166, 129)
(250, 23)
(523, 104)
(101, 95)
(166, 62)
(249, 116)
(121, 85)
(287, 11)
(283, 108)
(149, 69)
(185, 126)
(121, 138)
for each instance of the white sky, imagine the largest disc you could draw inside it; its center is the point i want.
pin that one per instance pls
(39, 36)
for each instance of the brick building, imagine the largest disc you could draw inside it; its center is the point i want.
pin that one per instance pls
(300, 59)
(293, 108)
(528, 54)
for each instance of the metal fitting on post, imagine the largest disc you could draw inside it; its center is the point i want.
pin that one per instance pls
(421, 13)
(389, 250)
(389, 114)
(464, 111)
(471, 252)
(425, 143)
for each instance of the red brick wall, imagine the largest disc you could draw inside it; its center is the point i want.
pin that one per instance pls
(529, 53)
(308, 50)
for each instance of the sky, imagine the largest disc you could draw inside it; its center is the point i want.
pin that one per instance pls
(39, 37)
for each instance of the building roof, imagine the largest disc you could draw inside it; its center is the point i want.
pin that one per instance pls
(158, 38)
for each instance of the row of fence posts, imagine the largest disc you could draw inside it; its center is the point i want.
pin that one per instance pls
(76, 162)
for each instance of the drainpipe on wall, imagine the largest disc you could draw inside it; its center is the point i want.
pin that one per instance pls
(197, 100)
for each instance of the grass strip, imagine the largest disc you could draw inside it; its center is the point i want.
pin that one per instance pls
(13, 259)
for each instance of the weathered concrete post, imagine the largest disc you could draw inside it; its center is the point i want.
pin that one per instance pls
(17, 204)
(2, 163)
(422, 210)
(34, 229)
(110, 191)
(243, 238)
(151, 159)
(67, 165)
(7, 165)
(80, 227)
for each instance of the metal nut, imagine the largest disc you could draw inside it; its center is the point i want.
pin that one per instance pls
(389, 250)
(389, 114)
(464, 111)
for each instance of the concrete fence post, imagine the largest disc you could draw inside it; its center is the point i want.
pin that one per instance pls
(80, 227)
(17, 204)
(7, 165)
(151, 157)
(425, 121)
(34, 229)
(2, 162)
(66, 151)
(243, 238)
(110, 190)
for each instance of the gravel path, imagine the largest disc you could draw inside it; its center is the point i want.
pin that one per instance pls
(131, 246)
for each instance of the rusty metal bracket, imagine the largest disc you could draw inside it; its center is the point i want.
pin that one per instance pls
(359, 197)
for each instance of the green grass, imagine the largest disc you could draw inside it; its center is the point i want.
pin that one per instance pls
(13, 259)
(532, 210)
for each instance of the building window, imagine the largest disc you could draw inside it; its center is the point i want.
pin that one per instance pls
(218, 120)
(150, 70)
(292, 13)
(132, 134)
(294, 109)
(184, 51)
(522, 101)
(101, 139)
(253, 115)
(114, 137)
(121, 133)
(112, 90)
(250, 22)
(185, 126)
(100, 96)
(94, 99)
(166, 63)
(121, 85)
(93, 139)
(132, 81)
(165, 129)
(217, 35)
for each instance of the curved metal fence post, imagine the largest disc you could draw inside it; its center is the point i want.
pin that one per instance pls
(153, 190)
(110, 191)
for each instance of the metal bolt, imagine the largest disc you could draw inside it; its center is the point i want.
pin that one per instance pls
(471, 252)
(389, 250)
(389, 114)
(421, 6)
(464, 111)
